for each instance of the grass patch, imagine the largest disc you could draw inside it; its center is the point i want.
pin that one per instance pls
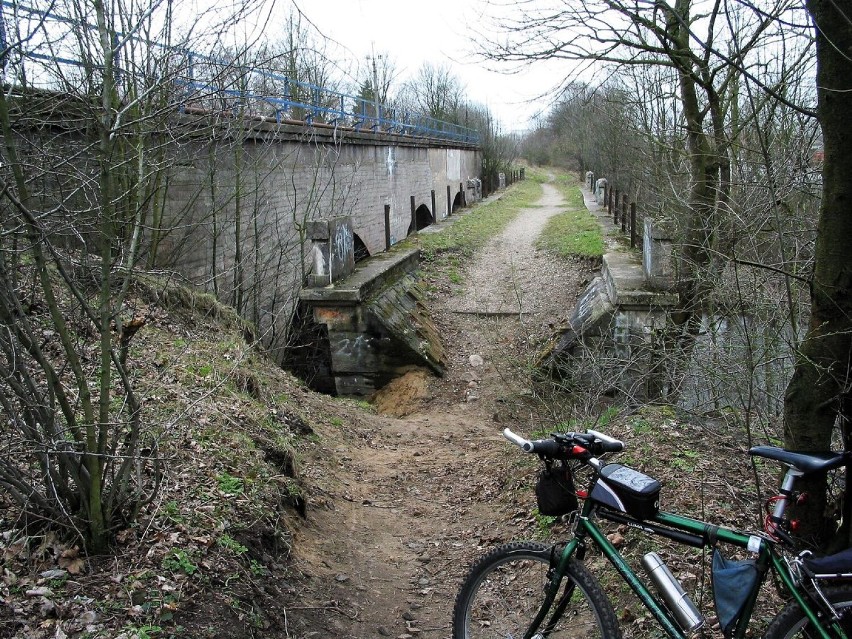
(570, 190)
(179, 561)
(575, 233)
(544, 524)
(446, 252)
(473, 228)
(572, 234)
(229, 484)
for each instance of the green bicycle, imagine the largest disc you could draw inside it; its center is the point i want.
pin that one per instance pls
(531, 590)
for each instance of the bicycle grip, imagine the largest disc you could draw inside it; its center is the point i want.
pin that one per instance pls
(546, 447)
(610, 444)
(525, 444)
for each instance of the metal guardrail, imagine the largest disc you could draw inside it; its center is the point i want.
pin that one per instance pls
(323, 106)
(215, 84)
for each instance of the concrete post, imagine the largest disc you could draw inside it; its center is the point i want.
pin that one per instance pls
(434, 211)
(657, 253)
(449, 202)
(600, 190)
(333, 250)
(463, 194)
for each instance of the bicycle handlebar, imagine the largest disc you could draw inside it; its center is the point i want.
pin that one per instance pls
(561, 446)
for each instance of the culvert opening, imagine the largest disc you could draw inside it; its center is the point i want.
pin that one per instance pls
(309, 353)
(361, 251)
(422, 218)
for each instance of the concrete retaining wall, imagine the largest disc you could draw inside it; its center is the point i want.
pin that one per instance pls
(258, 259)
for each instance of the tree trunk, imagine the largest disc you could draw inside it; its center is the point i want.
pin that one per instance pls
(821, 377)
(703, 155)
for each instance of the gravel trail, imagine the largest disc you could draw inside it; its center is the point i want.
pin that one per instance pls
(424, 494)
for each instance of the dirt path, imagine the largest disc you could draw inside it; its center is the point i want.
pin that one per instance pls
(424, 494)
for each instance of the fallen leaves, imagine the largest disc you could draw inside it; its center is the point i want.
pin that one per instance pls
(71, 561)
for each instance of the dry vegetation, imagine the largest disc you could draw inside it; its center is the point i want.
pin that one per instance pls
(283, 513)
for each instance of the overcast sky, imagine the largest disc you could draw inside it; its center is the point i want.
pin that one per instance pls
(438, 31)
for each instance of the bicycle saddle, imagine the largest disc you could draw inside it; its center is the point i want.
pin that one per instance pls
(808, 463)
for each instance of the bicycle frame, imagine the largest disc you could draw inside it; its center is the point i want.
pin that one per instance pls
(685, 531)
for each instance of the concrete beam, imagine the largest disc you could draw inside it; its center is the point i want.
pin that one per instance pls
(368, 277)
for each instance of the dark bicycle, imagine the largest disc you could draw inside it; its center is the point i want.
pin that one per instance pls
(532, 590)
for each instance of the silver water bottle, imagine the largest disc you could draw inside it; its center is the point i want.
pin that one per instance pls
(678, 602)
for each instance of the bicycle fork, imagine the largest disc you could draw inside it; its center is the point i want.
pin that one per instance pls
(555, 576)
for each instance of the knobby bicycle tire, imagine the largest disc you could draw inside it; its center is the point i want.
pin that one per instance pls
(505, 589)
(791, 621)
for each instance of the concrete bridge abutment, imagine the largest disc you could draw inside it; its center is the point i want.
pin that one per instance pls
(616, 333)
(376, 324)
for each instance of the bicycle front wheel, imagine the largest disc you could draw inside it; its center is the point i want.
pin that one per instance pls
(506, 588)
(791, 622)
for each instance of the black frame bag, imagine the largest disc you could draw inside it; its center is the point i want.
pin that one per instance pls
(555, 492)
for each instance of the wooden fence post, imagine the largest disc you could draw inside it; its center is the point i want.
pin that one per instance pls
(615, 205)
(387, 227)
(633, 233)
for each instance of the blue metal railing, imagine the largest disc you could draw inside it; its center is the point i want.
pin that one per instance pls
(209, 84)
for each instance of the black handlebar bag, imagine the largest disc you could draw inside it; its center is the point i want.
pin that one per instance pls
(555, 492)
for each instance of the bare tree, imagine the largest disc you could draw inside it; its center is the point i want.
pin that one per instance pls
(499, 150)
(375, 83)
(434, 91)
(685, 36)
(75, 210)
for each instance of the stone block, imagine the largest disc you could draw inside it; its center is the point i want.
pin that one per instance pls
(600, 190)
(339, 318)
(657, 247)
(333, 250)
(355, 385)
